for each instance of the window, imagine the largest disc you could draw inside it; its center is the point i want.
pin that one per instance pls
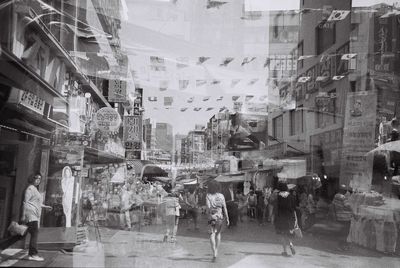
(296, 121)
(325, 36)
(300, 51)
(277, 126)
(326, 110)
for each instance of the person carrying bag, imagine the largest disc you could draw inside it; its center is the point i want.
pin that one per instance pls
(296, 230)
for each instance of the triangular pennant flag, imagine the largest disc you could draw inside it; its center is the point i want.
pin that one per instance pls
(163, 85)
(235, 82)
(388, 14)
(235, 98)
(215, 82)
(247, 60)
(209, 108)
(200, 82)
(168, 101)
(197, 109)
(303, 79)
(220, 98)
(253, 81)
(348, 56)
(337, 15)
(248, 97)
(190, 100)
(214, 4)
(157, 64)
(202, 60)
(183, 109)
(304, 57)
(222, 109)
(183, 84)
(206, 98)
(226, 62)
(337, 77)
(182, 62)
(152, 98)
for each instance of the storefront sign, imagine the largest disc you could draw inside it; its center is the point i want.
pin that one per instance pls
(358, 139)
(133, 131)
(117, 91)
(107, 119)
(31, 101)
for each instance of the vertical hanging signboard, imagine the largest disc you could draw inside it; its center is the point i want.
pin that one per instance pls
(133, 132)
(358, 140)
(117, 91)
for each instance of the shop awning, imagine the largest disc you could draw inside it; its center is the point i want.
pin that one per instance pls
(137, 165)
(230, 178)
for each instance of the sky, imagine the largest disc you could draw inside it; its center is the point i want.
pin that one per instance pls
(183, 32)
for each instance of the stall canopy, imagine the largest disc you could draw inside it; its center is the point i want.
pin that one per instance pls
(230, 178)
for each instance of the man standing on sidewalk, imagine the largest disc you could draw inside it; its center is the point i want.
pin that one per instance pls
(232, 205)
(192, 201)
(125, 206)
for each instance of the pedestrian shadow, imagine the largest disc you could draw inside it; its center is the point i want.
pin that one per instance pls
(260, 253)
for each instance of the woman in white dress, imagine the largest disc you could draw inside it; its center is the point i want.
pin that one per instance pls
(67, 184)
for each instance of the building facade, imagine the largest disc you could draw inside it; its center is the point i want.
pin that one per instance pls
(54, 105)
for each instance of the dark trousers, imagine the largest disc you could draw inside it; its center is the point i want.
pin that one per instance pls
(33, 230)
(233, 212)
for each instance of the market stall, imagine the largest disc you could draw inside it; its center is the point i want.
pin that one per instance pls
(375, 222)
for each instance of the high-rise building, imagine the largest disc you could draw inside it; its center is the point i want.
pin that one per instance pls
(178, 147)
(164, 137)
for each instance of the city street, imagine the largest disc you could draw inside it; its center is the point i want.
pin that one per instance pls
(247, 245)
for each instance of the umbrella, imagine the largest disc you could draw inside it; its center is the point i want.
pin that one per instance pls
(389, 146)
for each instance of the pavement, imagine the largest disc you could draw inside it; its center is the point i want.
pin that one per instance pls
(247, 245)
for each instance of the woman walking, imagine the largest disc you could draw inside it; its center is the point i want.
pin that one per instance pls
(216, 207)
(31, 212)
(285, 217)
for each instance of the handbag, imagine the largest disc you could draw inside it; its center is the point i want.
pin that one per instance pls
(17, 229)
(296, 231)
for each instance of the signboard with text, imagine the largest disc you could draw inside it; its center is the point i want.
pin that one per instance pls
(133, 132)
(107, 119)
(358, 140)
(117, 91)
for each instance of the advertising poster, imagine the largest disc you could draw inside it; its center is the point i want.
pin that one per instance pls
(358, 140)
